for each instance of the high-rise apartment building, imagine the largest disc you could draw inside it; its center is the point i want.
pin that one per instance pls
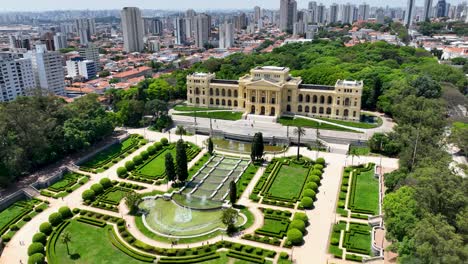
(427, 11)
(48, 69)
(60, 41)
(132, 28)
(288, 15)
(321, 16)
(257, 13)
(333, 17)
(363, 13)
(240, 21)
(409, 13)
(90, 52)
(441, 8)
(180, 31)
(226, 35)
(153, 26)
(380, 16)
(85, 27)
(78, 67)
(202, 30)
(16, 77)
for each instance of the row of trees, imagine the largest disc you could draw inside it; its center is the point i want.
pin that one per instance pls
(179, 170)
(37, 130)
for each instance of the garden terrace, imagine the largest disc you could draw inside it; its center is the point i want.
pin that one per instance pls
(110, 199)
(69, 183)
(118, 244)
(17, 215)
(275, 225)
(104, 159)
(213, 178)
(153, 169)
(364, 191)
(356, 240)
(284, 181)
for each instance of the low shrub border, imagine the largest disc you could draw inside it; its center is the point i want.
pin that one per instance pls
(91, 221)
(246, 257)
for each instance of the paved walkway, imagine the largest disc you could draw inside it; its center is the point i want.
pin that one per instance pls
(321, 218)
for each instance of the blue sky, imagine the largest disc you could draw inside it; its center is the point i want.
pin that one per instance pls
(40, 5)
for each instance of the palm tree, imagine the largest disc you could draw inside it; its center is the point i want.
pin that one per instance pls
(299, 131)
(180, 130)
(353, 154)
(66, 238)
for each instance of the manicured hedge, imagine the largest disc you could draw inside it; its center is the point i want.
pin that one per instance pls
(40, 238)
(91, 221)
(34, 248)
(46, 228)
(295, 236)
(55, 219)
(247, 257)
(189, 259)
(37, 258)
(130, 252)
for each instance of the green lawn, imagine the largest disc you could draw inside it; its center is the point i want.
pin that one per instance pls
(157, 166)
(359, 150)
(115, 195)
(348, 123)
(366, 193)
(303, 122)
(89, 244)
(184, 108)
(225, 115)
(358, 239)
(9, 214)
(289, 181)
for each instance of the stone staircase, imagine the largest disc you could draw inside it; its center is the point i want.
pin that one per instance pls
(31, 192)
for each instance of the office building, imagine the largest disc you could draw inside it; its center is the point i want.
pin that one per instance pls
(272, 91)
(288, 15)
(441, 8)
(179, 31)
(48, 69)
(240, 21)
(132, 28)
(409, 13)
(60, 41)
(226, 35)
(202, 30)
(16, 77)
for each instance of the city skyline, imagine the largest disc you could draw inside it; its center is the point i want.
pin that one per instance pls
(33, 6)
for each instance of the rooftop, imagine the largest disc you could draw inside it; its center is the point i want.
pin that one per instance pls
(271, 68)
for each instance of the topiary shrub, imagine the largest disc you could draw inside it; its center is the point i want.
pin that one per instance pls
(158, 146)
(307, 202)
(37, 258)
(318, 167)
(88, 195)
(312, 185)
(309, 193)
(151, 150)
(301, 216)
(298, 224)
(14, 227)
(295, 236)
(34, 248)
(316, 172)
(40, 238)
(106, 183)
(314, 178)
(335, 241)
(55, 219)
(27, 218)
(144, 154)
(121, 172)
(129, 165)
(45, 228)
(320, 161)
(164, 141)
(137, 160)
(97, 188)
(341, 204)
(65, 212)
(284, 255)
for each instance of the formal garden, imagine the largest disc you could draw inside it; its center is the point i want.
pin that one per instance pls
(355, 241)
(104, 159)
(17, 215)
(287, 181)
(69, 183)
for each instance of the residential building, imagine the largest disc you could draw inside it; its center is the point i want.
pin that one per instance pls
(409, 13)
(60, 41)
(226, 35)
(90, 52)
(333, 17)
(441, 8)
(272, 91)
(321, 15)
(16, 77)
(153, 26)
(257, 13)
(180, 31)
(363, 13)
(202, 30)
(427, 12)
(132, 28)
(77, 67)
(288, 15)
(380, 16)
(85, 27)
(48, 69)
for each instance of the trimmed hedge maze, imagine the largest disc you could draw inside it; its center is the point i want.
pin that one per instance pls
(287, 181)
(149, 166)
(69, 183)
(356, 240)
(104, 159)
(125, 248)
(275, 226)
(17, 215)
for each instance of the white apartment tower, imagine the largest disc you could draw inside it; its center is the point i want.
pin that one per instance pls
(257, 13)
(364, 11)
(85, 27)
(60, 41)
(333, 18)
(132, 28)
(48, 69)
(90, 52)
(226, 35)
(16, 77)
(180, 31)
(288, 14)
(202, 30)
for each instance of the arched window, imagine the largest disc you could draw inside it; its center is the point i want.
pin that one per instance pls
(235, 93)
(229, 103)
(197, 100)
(190, 100)
(252, 109)
(197, 90)
(347, 102)
(229, 93)
(321, 110)
(328, 111)
(314, 110)
(235, 103)
(314, 99)
(217, 101)
(203, 101)
(223, 92)
(329, 100)
(322, 99)
(307, 98)
(217, 92)
(211, 91)
(299, 108)
(300, 98)
(288, 108)
(211, 101)
(223, 102)
(262, 110)
(337, 112)
(346, 113)
(306, 109)
(272, 111)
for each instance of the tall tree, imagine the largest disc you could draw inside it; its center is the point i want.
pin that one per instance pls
(180, 130)
(256, 152)
(229, 218)
(232, 192)
(299, 131)
(170, 168)
(210, 146)
(132, 200)
(181, 161)
(66, 238)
